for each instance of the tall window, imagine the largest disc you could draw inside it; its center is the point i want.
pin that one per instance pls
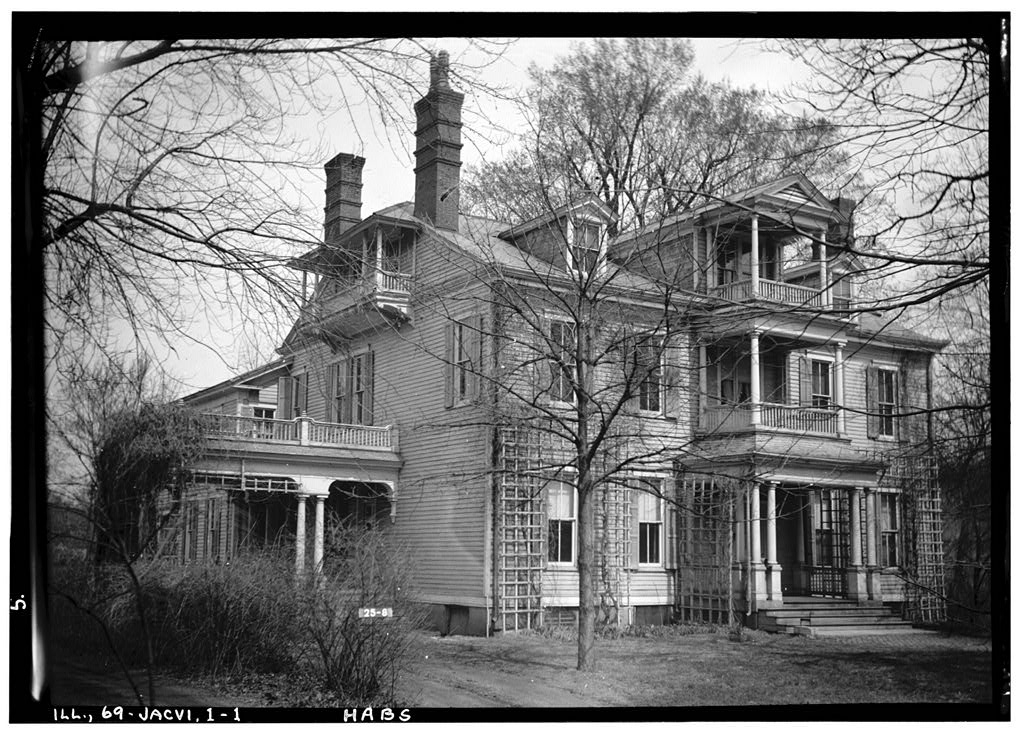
(889, 526)
(563, 339)
(561, 523)
(464, 338)
(586, 247)
(821, 384)
(647, 370)
(649, 508)
(887, 402)
(352, 390)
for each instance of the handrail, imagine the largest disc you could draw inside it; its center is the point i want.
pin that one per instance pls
(301, 430)
(773, 290)
(730, 418)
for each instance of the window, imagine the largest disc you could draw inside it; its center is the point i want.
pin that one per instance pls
(263, 427)
(263, 413)
(464, 338)
(586, 247)
(351, 390)
(561, 523)
(649, 508)
(645, 370)
(889, 527)
(887, 403)
(298, 396)
(821, 384)
(562, 361)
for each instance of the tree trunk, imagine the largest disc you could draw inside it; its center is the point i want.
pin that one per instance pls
(586, 660)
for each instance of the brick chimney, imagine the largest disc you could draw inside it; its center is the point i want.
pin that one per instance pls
(438, 149)
(843, 233)
(343, 195)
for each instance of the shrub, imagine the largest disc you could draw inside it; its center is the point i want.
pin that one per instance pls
(359, 659)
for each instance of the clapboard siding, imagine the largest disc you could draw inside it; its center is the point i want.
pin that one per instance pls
(638, 587)
(444, 481)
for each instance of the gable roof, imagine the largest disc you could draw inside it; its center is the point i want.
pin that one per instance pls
(266, 371)
(591, 201)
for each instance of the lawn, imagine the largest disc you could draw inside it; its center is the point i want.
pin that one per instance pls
(700, 669)
(670, 670)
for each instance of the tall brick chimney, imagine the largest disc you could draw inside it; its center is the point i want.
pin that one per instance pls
(438, 149)
(343, 195)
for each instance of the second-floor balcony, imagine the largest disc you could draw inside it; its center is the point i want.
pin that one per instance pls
(770, 290)
(729, 418)
(301, 431)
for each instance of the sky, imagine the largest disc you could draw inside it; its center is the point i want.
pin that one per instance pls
(213, 353)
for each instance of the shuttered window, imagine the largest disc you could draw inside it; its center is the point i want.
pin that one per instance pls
(649, 512)
(561, 500)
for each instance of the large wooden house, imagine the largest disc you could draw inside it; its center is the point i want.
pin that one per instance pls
(771, 456)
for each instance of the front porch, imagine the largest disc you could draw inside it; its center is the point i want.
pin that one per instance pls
(797, 541)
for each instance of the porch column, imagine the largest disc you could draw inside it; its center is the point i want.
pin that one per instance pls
(379, 242)
(856, 587)
(840, 389)
(711, 273)
(755, 259)
(300, 535)
(826, 291)
(755, 378)
(702, 383)
(695, 239)
(758, 591)
(772, 562)
(870, 517)
(739, 559)
(318, 536)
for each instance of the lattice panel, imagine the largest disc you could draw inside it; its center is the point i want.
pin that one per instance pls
(705, 568)
(921, 504)
(612, 526)
(521, 531)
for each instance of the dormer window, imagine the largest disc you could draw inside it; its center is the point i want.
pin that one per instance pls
(585, 251)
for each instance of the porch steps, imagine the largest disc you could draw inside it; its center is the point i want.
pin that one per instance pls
(825, 617)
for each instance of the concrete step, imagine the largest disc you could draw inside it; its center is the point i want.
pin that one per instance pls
(873, 621)
(781, 613)
(820, 631)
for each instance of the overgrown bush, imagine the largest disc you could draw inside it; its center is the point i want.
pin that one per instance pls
(359, 659)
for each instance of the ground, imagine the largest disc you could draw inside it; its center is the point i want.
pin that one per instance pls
(669, 670)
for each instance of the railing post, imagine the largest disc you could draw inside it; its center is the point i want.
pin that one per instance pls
(303, 422)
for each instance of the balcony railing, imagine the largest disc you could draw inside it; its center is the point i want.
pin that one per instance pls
(738, 418)
(396, 282)
(772, 290)
(301, 430)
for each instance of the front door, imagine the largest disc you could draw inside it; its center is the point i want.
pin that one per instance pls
(829, 542)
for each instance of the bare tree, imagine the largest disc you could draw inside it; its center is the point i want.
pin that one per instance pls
(133, 449)
(628, 121)
(166, 171)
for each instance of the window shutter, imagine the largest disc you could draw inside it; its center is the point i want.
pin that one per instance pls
(368, 381)
(284, 398)
(903, 400)
(478, 357)
(543, 513)
(301, 390)
(345, 403)
(541, 367)
(871, 380)
(671, 527)
(449, 364)
(331, 380)
(805, 381)
(634, 528)
(671, 387)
